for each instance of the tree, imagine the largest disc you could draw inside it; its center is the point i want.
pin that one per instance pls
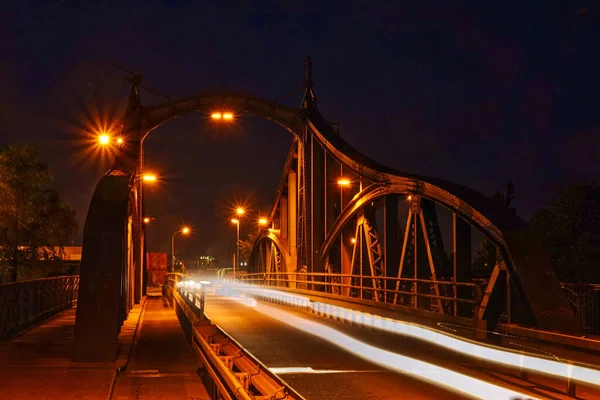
(34, 223)
(569, 227)
(246, 245)
(485, 259)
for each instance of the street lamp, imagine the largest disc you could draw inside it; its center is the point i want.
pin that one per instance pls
(149, 177)
(183, 231)
(104, 139)
(240, 211)
(344, 182)
(222, 116)
(237, 243)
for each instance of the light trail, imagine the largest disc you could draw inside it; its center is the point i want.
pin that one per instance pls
(434, 374)
(464, 346)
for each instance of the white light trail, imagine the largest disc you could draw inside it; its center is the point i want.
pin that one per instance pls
(309, 370)
(419, 369)
(563, 370)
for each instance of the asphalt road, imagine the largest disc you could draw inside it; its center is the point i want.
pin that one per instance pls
(277, 344)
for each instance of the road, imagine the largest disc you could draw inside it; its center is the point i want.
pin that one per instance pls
(264, 332)
(277, 345)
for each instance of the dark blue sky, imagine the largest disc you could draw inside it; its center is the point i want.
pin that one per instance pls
(475, 92)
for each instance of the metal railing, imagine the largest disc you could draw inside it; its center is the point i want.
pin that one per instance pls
(434, 295)
(228, 370)
(584, 300)
(25, 303)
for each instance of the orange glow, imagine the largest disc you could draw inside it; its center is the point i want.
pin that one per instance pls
(120, 140)
(240, 211)
(216, 115)
(149, 178)
(409, 197)
(228, 116)
(344, 182)
(104, 139)
(185, 230)
(262, 221)
(146, 220)
(235, 221)
(353, 240)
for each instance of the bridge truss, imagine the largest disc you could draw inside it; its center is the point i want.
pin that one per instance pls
(348, 241)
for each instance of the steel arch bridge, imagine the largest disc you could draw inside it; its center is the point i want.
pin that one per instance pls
(345, 241)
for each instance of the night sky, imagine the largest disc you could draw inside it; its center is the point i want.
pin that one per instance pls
(474, 92)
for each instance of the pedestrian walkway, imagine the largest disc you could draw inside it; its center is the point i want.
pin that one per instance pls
(162, 365)
(155, 361)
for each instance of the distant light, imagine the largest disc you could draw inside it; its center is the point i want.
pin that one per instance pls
(205, 282)
(185, 230)
(120, 140)
(263, 221)
(216, 115)
(104, 139)
(146, 220)
(228, 116)
(344, 182)
(240, 211)
(235, 221)
(149, 177)
(353, 240)
(409, 197)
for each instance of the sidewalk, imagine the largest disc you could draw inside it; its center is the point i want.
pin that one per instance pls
(162, 365)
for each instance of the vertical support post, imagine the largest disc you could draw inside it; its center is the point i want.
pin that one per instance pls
(292, 219)
(461, 271)
(415, 210)
(391, 246)
(283, 217)
(317, 201)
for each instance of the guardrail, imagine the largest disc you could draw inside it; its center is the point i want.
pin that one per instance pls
(25, 303)
(584, 300)
(436, 295)
(228, 371)
(454, 298)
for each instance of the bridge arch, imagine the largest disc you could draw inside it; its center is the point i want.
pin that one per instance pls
(286, 117)
(301, 198)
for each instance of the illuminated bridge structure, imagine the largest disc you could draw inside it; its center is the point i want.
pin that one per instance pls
(333, 228)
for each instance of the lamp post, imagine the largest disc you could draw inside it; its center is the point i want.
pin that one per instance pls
(237, 245)
(184, 231)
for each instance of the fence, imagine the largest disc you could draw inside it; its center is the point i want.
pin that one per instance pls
(434, 295)
(25, 303)
(584, 300)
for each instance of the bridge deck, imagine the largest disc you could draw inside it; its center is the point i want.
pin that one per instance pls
(37, 365)
(278, 344)
(162, 364)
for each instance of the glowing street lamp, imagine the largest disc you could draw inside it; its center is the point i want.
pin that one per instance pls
(263, 221)
(344, 182)
(183, 231)
(222, 116)
(120, 140)
(240, 211)
(146, 220)
(353, 240)
(149, 178)
(104, 139)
